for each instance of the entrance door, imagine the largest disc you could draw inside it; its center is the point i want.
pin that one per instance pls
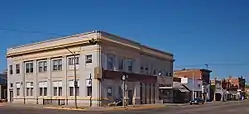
(130, 96)
(11, 95)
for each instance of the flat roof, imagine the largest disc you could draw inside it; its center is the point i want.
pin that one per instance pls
(95, 31)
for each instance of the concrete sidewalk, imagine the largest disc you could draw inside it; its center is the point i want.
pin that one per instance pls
(132, 107)
(65, 107)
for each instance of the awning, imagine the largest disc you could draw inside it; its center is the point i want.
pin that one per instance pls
(165, 87)
(183, 90)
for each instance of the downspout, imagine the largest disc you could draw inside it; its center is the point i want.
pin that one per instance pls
(100, 66)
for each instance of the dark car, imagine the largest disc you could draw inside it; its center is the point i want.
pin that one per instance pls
(196, 101)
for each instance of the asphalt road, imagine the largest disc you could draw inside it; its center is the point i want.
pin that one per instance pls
(212, 108)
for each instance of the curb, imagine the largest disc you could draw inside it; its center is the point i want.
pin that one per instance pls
(133, 108)
(61, 108)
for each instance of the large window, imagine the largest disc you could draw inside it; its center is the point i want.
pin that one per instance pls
(29, 67)
(89, 91)
(110, 61)
(57, 88)
(42, 66)
(57, 64)
(11, 69)
(130, 65)
(71, 60)
(29, 88)
(71, 88)
(17, 68)
(18, 86)
(43, 88)
(121, 63)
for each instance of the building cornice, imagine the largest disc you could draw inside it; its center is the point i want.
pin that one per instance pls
(83, 39)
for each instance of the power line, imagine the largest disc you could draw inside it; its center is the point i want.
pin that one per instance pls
(214, 65)
(31, 32)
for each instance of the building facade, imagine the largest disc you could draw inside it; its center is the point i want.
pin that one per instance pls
(217, 92)
(43, 72)
(200, 74)
(235, 87)
(195, 85)
(3, 86)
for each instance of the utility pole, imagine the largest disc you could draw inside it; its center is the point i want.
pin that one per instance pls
(75, 81)
(90, 79)
(124, 77)
(193, 90)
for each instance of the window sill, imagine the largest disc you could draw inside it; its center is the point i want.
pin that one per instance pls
(42, 72)
(57, 70)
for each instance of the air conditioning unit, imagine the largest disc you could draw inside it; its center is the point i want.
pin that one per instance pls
(98, 73)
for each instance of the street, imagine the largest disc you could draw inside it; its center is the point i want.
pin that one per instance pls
(210, 108)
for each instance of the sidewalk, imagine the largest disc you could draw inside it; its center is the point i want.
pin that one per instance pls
(65, 107)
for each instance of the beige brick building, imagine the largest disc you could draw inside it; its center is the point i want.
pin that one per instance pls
(43, 72)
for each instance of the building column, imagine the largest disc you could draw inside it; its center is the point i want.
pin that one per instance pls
(136, 95)
(1, 91)
(157, 93)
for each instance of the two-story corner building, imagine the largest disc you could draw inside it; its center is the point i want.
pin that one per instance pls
(43, 72)
(202, 74)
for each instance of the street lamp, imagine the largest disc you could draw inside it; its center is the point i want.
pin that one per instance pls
(90, 83)
(92, 42)
(124, 77)
(75, 81)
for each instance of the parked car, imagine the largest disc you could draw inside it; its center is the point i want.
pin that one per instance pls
(197, 101)
(117, 102)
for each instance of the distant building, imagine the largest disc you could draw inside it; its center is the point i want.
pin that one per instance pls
(200, 74)
(217, 93)
(235, 87)
(186, 89)
(3, 86)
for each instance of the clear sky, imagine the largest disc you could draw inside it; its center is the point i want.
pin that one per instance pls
(197, 32)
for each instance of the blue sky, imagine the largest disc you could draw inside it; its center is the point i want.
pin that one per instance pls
(195, 31)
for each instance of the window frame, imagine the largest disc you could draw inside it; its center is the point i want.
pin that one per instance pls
(42, 66)
(70, 60)
(29, 67)
(89, 58)
(89, 90)
(130, 64)
(11, 69)
(17, 68)
(110, 61)
(57, 64)
(121, 63)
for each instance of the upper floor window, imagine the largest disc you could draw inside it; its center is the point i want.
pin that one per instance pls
(121, 63)
(29, 67)
(71, 60)
(88, 58)
(142, 69)
(130, 65)
(166, 74)
(17, 68)
(11, 69)
(110, 61)
(42, 66)
(57, 64)
(170, 74)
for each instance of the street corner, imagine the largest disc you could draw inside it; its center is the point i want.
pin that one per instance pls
(66, 108)
(2, 104)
